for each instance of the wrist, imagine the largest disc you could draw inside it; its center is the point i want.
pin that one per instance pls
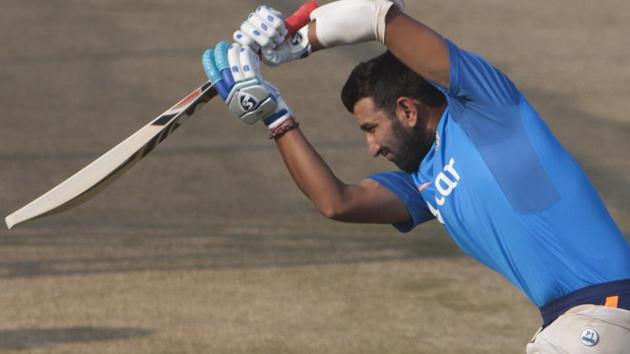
(312, 37)
(283, 128)
(277, 119)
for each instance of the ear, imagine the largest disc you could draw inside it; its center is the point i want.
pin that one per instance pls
(407, 111)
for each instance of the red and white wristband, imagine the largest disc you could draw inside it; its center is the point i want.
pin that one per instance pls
(282, 129)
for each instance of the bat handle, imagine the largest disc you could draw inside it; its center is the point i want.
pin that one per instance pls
(301, 17)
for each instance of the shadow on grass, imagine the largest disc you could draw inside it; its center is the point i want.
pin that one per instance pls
(21, 339)
(167, 249)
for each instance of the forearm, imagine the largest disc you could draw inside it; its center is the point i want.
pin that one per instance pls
(311, 173)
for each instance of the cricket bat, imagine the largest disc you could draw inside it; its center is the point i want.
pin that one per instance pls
(100, 173)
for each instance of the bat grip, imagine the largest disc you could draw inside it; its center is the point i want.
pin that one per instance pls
(301, 17)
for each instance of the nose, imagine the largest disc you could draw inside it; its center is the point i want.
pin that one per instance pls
(373, 148)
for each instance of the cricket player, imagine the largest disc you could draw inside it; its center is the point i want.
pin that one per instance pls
(472, 152)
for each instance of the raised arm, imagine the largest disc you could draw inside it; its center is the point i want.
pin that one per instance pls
(368, 201)
(250, 98)
(365, 202)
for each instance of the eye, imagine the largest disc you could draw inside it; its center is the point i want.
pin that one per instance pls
(368, 128)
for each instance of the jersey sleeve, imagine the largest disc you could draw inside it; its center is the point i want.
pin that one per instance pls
(473, 78)
(402, 185)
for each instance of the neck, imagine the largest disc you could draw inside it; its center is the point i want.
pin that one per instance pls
(434, 116)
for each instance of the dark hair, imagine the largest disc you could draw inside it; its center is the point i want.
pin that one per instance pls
(385, 79)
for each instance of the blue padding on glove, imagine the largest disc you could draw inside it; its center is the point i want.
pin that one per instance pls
(222, 64)
(214, 75)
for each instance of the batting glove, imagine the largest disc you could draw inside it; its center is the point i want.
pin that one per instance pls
(264, 31)
(234, 70)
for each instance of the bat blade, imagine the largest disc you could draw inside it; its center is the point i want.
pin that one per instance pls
(94, 177)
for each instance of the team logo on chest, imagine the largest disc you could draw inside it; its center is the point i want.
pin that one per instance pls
(445, 183)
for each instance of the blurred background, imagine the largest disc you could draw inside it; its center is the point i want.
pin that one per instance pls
(206, 246)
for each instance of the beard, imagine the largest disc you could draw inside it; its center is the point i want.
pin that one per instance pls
(412, 146)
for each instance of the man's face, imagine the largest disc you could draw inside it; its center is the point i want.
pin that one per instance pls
(398, 142)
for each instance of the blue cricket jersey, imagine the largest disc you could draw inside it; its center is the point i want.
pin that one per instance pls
(508, 192)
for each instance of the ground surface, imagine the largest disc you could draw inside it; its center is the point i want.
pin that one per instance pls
(206, 246)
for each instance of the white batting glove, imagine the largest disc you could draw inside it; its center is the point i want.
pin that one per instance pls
(352, 21)
(264, 31)
(235, 73)
(263, 28)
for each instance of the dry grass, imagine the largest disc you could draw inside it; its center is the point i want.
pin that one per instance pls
(206, 246)
(415, 306)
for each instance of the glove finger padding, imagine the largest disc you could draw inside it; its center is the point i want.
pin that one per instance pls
(271, 16)
(274, 19)
(221, 62)
(213, 73)
(263, 28)
(250, 29)
(250, 63)
(245, 40)
(233, 55)
(264, 31)
(259, 23)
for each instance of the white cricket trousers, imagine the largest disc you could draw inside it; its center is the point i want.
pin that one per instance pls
(588, 329)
